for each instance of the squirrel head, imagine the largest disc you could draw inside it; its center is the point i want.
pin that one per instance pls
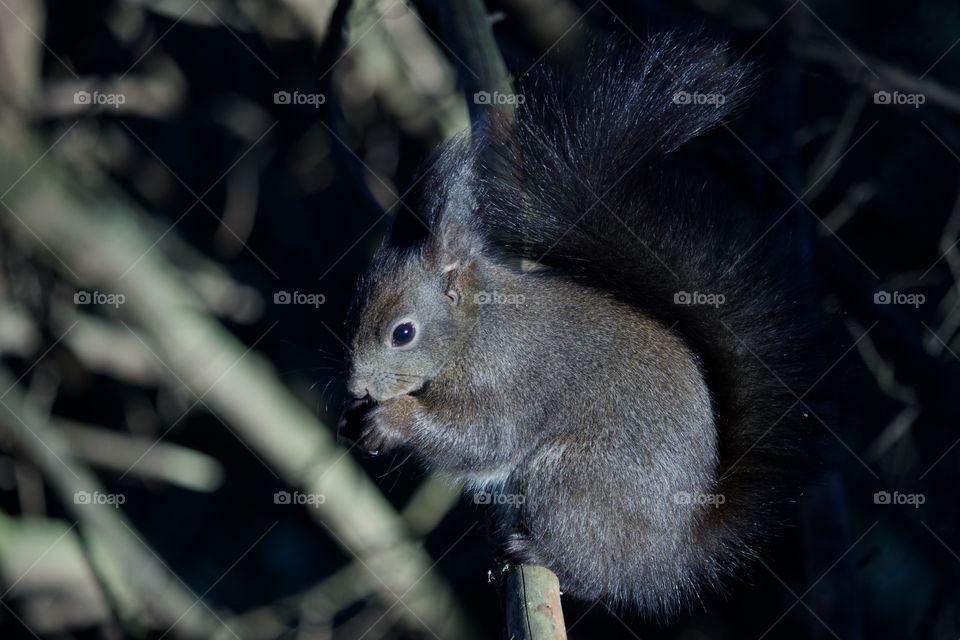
(415, 305)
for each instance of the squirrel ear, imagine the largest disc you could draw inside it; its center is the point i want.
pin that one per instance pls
(456, 235)
(455, 242)
(447, 195)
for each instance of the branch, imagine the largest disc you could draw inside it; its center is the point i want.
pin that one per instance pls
(532, 596)
(466, 27)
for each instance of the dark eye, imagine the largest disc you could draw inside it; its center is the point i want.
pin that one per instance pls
(403, 334)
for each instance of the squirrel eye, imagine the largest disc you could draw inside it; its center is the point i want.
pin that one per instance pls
(403, 334)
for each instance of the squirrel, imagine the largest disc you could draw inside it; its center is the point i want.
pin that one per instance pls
(583, 343)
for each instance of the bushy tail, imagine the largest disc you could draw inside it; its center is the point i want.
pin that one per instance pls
(581, 182)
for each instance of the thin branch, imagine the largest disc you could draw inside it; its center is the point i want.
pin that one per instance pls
(533, 608)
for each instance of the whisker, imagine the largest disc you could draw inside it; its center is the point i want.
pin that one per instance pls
(323, 397)
(396, 467)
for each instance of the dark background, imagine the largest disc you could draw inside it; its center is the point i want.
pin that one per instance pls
(293, 200)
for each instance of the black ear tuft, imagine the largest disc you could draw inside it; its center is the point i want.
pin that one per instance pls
(440, 216)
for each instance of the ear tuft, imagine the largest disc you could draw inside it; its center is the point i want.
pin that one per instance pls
(451, 201)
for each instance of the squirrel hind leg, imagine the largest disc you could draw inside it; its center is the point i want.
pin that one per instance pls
(513, 543)
(518, 548)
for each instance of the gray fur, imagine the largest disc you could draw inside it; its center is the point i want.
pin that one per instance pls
(618, 434)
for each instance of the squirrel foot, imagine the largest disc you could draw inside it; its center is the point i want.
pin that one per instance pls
(519, 548)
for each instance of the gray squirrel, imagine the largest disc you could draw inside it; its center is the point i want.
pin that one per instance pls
(564, 328)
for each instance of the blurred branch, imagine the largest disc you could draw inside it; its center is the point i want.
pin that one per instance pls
(40, 557)
(21, 53)
(102, 240)
(144, 457)
(123, 561)
(336, 593)
(828, 162)
(467, 30)
(876, 75)
(390, 54)
(855, 197)
(550, 22)
(102, 346)
(314, 14)
(428, 505)
(159, 95)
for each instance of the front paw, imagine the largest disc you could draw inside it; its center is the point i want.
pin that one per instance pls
(387, 426)
(352, 420)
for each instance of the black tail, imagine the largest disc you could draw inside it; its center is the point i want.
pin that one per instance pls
(581, 182)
